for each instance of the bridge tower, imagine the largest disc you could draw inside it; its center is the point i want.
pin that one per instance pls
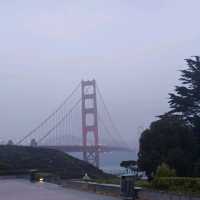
(90, 122)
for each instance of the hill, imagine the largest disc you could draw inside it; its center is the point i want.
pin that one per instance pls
(19, 160)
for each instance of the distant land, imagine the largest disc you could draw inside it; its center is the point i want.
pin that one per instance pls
(19, 160)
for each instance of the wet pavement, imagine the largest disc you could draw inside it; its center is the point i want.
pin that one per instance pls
(17, 189)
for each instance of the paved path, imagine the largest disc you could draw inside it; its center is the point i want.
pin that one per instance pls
(24, 190)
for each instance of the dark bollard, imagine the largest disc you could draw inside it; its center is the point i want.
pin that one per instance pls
(33, 177)
(127, 187)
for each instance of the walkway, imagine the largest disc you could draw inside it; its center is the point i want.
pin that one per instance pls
(24, 190)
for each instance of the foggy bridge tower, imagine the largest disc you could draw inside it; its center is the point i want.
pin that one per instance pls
(90, 122)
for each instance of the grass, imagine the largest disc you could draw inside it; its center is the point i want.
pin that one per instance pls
(114, 180)
(143, 184)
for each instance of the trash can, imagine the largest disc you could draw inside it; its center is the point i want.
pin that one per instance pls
(127, 187)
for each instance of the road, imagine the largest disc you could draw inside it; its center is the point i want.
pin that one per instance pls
(24, 190)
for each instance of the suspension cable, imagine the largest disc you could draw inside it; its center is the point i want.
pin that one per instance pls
(63, 118)
(50, 116)
(107, 130)
(110, 118)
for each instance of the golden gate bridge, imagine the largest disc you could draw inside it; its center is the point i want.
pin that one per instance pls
(83, 111)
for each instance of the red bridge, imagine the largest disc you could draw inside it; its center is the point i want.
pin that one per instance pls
(79, 148)
(99, 133)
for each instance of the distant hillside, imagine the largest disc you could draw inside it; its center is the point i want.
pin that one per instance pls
(17, 160)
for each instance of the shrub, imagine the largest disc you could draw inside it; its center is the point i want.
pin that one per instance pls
(177, 184)
(143, 184)
(164, 171)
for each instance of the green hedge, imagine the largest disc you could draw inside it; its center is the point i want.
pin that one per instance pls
(177, 184)
(143, 184)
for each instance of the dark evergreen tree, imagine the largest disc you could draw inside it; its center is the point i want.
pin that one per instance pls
(185, 102)
(171, 139)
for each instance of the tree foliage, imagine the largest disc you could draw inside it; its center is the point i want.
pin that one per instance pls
(170, 141)
(185, 101)
(173, 138)
(128, 163)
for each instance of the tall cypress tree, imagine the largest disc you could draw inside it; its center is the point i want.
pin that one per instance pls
(185, 101)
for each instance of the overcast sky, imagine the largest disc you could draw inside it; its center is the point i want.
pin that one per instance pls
(133, 48)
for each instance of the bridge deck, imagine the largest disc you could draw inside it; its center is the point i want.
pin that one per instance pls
(79, 148)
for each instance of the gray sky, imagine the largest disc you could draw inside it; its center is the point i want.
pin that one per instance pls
(133, 48)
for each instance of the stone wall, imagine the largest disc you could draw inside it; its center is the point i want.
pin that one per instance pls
(114, 190)
(107, 189)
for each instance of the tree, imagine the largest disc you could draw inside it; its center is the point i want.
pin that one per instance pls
(33, 143)
(185, 102)
(10, 142)
(130, 165)
(170, 141)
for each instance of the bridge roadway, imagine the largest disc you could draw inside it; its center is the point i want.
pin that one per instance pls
(79, 148)
(17, 189)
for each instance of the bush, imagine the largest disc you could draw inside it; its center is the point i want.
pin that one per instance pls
(114, 180)
(143, 184)
(177, 184)
(164, 171)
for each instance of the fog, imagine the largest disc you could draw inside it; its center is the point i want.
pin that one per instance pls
(133, 48)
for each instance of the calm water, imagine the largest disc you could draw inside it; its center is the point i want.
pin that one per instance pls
(111, 161)
(24, 190)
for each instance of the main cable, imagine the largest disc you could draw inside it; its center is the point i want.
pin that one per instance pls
(50, 116)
